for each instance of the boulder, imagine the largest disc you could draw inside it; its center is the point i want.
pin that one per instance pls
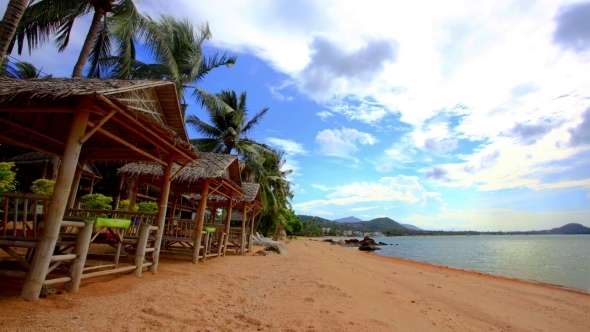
(327, 240)
(260, 253)
(341, 242)
(276, 247)
(366, 246)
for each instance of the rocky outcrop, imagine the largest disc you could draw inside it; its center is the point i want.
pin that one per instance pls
(279, 248)
(368, 244)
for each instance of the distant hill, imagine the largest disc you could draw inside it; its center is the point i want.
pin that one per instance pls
(375, 225)
(571, 229)
(349, 219)
(321, 222)
(408, 226)
(382, 224)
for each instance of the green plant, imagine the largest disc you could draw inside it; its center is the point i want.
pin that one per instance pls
(147, 206)
(43, 187)
(124, 205)
(7, 177)
(96, 202)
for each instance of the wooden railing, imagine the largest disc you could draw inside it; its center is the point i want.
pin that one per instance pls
(137, 218)
(22, 214)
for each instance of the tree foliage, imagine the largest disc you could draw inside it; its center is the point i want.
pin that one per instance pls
(97, 202)
(43, 187)
(7, 177)
(147, 206)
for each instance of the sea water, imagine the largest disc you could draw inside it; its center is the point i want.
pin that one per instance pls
(562, 260)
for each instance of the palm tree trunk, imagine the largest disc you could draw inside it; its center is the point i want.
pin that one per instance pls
(90, 37)
(13, 14)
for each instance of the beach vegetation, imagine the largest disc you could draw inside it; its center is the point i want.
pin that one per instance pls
(124, 205)
(7, 177)
(43, 187)
(147, 206)
(96, 202)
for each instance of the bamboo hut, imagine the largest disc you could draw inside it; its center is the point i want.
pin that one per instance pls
(212, 174)
(83, 120)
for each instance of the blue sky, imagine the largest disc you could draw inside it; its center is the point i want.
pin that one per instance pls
(445, 115)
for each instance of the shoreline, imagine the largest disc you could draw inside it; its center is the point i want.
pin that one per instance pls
(315, 287)
(534, 282)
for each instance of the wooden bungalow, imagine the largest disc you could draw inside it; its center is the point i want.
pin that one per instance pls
(212, 174)
(246, 208)
(82, 120)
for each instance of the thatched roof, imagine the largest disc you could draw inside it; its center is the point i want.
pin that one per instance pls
(40, 157)
(209, 166)
(251, 198)
(145, 114)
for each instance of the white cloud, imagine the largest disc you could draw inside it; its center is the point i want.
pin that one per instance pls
(320, 187)
(324, 115)
(405, 189)
(341, 143)
(363, 209)
(289, 146)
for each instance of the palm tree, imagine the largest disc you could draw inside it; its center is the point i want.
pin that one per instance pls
(24, 70)
(112, 19)
(12, 15)
(176, 46)
(228, 114)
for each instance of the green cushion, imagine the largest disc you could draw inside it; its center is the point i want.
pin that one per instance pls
(113, 223)
(209, 229)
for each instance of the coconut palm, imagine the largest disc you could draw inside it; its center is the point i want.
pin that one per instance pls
(228, 129)
(12, 15)
(24, 70)
(176, 46)
(112, 20)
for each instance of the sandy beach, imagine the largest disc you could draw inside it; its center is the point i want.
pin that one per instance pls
(316, 287)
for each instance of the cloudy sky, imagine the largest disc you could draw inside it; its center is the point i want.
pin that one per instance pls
(445, 115)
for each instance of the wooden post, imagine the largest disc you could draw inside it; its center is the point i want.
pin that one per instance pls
(142, 238)
(75, 184)
(41, 259)
(161, 218)
(173, 208)
(200, 221)
(243, 235)
(133, 197)
(81, 250)
(225, 236)
(251, 231)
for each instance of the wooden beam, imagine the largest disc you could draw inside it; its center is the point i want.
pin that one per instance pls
(40, 109)
(180, 170)
(161, 218)
(200, 221)
(98, 126)
(129, 145)
(148, 130)
(31, 131)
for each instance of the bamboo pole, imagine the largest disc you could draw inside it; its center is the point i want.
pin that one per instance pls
(143, 234)
(81, 251)
(133, 197)
(200, 221)
(161, 218)
(227, 226)
(243, 235)
(251, 231)
(59, 200)
(75, 184)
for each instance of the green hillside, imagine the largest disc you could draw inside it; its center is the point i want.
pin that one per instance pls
(375, 225)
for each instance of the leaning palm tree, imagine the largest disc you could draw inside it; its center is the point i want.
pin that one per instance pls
(176, 46)
(12, 16)
(112, 20)
(228, 129)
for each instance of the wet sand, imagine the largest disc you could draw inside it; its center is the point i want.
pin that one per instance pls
(316, 287)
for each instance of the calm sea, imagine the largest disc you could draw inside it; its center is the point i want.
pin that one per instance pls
(562, 260)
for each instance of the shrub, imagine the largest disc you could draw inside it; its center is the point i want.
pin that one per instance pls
(43, 187)
(7, 177)
(96, 202)
(124, 205)
(148, 206)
